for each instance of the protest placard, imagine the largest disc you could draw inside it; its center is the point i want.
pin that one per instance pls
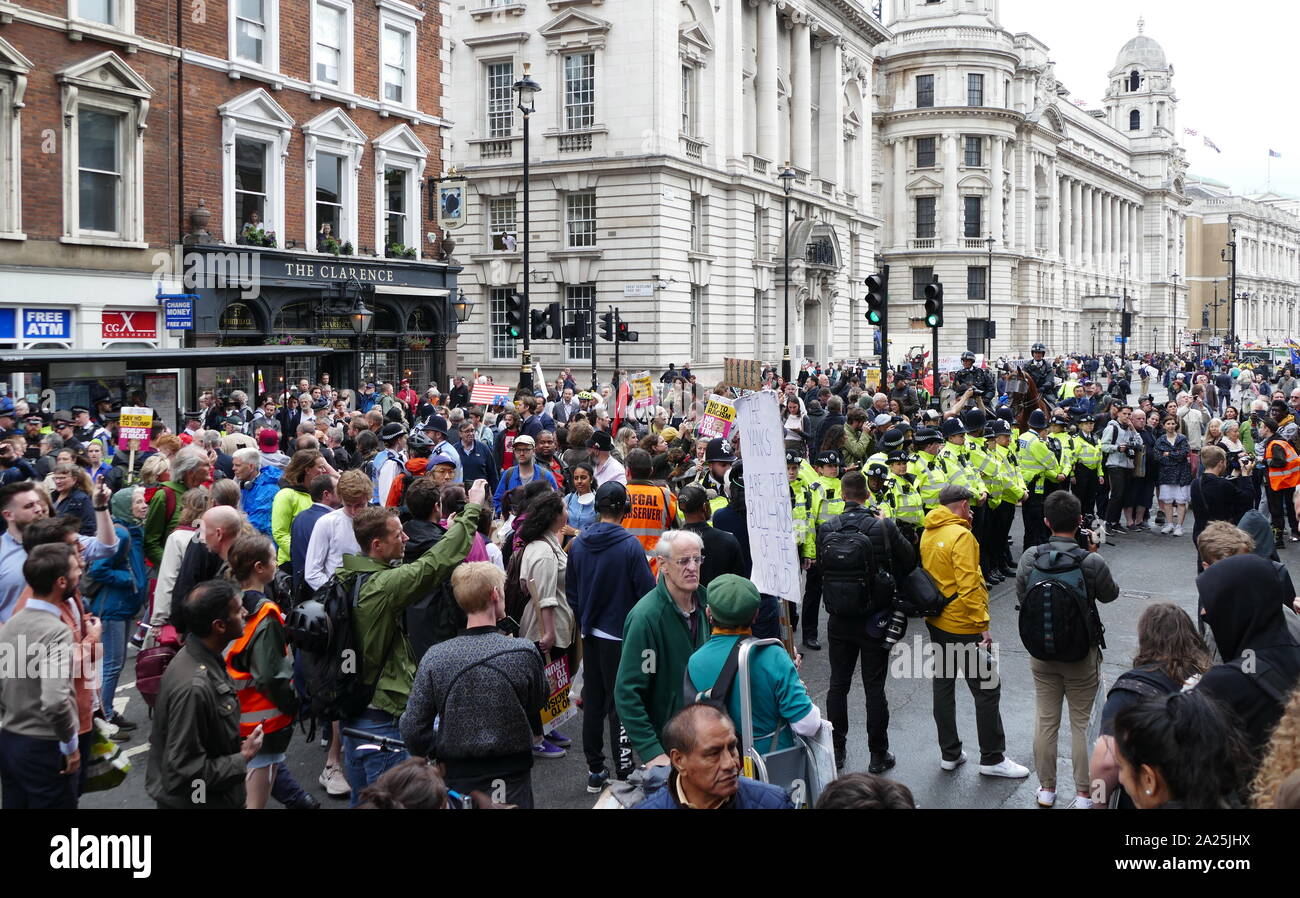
(558, 706)
(643, 390)
(719, 416)
(767, 498)
(134, 425)
(746, 374)
(948, 363)
(872, 378)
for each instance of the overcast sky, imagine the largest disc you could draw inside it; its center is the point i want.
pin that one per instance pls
(1234, 73)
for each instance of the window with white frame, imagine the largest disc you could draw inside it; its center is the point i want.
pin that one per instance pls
(688, 100)
(99, 170)
(91, 15)
(398, 173)
(397, 58)
(397, 202)
(758, 324)
(105, 106)
(503, 224)
(500, 343)
(500, 99)
(255, 134)
(697, 224)
(760, 231)
(333, 156)
(331, 47)
(13, 85)
(697, 323)
(100, 11)
(251, 168)
(578, 298)
(255, 33)
(579, 91)
(580, 219)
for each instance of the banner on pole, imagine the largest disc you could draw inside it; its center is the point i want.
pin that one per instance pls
(719, 416)
(134, 426)
(767, 498)
(746, 374)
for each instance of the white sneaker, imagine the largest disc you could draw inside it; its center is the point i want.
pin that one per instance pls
(1167, 529)
(1153, 525)
(1080, 803)
(953, 765)
(1008, 768)
(1178, 531)
(1046, 798)
(335, 783)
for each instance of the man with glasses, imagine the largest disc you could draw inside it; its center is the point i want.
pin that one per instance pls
(660, 634)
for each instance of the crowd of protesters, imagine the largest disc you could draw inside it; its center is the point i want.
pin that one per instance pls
(484, 547)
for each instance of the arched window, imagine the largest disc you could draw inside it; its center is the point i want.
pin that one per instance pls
(1134, 81)
(1135, 121)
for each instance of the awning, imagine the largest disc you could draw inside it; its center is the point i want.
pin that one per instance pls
(411, 291)
(150, 359)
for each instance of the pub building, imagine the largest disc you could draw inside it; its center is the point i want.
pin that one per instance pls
(385, 319)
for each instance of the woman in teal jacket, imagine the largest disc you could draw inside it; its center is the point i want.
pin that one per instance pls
(115, 587)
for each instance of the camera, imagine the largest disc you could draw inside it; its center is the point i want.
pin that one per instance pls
(897, 625)
(1088, 535)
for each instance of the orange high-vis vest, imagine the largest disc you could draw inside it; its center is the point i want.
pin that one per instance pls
(651, 510)
(254, 705)
(1287, 476)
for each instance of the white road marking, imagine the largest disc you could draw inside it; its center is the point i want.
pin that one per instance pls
(132, 752)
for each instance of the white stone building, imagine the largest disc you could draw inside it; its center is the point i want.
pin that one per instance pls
(659, 133)
(1083, 207)
(661, 129)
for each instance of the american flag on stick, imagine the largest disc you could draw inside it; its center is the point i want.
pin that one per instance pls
(489, 394)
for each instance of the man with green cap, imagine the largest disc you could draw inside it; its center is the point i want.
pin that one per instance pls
(778, 699)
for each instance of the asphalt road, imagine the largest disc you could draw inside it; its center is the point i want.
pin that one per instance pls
(1148, 568)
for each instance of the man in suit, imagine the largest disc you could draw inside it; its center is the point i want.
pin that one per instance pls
(290, 416)
(222, 462)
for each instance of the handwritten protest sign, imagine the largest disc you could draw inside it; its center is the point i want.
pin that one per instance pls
(719, 416)
(746, 374)
(767, 498)
(948, 363)
(134, 424)
(872, 378)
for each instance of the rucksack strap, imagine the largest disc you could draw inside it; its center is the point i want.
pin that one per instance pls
(727, 676)
(1267, 678)
(484, 661)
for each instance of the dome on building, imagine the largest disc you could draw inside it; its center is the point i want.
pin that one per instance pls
(1142, 52)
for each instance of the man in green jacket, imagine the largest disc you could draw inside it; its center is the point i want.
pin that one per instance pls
(390, 587)
(659, 636)
(190, 468)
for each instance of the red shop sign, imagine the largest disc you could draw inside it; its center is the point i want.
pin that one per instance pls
(137, 325)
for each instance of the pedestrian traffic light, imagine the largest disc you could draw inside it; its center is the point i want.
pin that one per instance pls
(580, 330)
(625, 335)
(877, 297)
(934, 304)
(607, 326)
(515, 315)
(545, 323)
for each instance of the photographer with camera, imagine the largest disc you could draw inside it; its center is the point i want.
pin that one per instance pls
(855, 547)
(1069, 669)
(13, 466)
(968, 377)
(1216, 494)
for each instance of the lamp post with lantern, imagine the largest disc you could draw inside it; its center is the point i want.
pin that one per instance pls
(525, 90)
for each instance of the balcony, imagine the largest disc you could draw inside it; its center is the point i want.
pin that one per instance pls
(496, 149)
(922, 243)
(974, 243)
(692, 148)
(757, 164)
(574, 143)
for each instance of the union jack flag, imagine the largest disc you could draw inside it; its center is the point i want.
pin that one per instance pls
(1209, 143)
(1191, 131)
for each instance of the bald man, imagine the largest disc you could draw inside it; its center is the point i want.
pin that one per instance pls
(218, 528)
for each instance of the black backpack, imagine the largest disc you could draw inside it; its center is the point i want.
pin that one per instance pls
(852, 583)
(331, 678)
(1057, 620)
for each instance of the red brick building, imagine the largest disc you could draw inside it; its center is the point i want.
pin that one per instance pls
(272, 157)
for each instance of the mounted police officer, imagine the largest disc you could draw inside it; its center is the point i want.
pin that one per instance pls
(1040, 369)
(968, 376)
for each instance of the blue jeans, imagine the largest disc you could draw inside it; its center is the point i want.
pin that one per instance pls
(364, 767)
(115, 634)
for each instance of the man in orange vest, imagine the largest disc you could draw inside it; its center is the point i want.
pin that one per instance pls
(652, 509)
(260, 665)
(1282, 463)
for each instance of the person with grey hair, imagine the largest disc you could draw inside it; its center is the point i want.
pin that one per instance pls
(189, 468)
(670, 624)
(218, 459)
(51, 443)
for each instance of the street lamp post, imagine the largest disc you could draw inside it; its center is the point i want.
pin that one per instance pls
(1094, 337)
(1229, 255)
(1155, 333)
(988, 321)
(526, 93)
(787, 177)
(362, 320)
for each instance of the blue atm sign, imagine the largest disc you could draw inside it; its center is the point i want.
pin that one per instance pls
(179, 314)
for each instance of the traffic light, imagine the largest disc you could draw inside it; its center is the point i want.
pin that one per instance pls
(625, 335)
(877, 297)
(1126, 325)
(580, 330)
(934, 304)
(1205, 317)
(515, 315)
(607, 326)
(545, 322)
